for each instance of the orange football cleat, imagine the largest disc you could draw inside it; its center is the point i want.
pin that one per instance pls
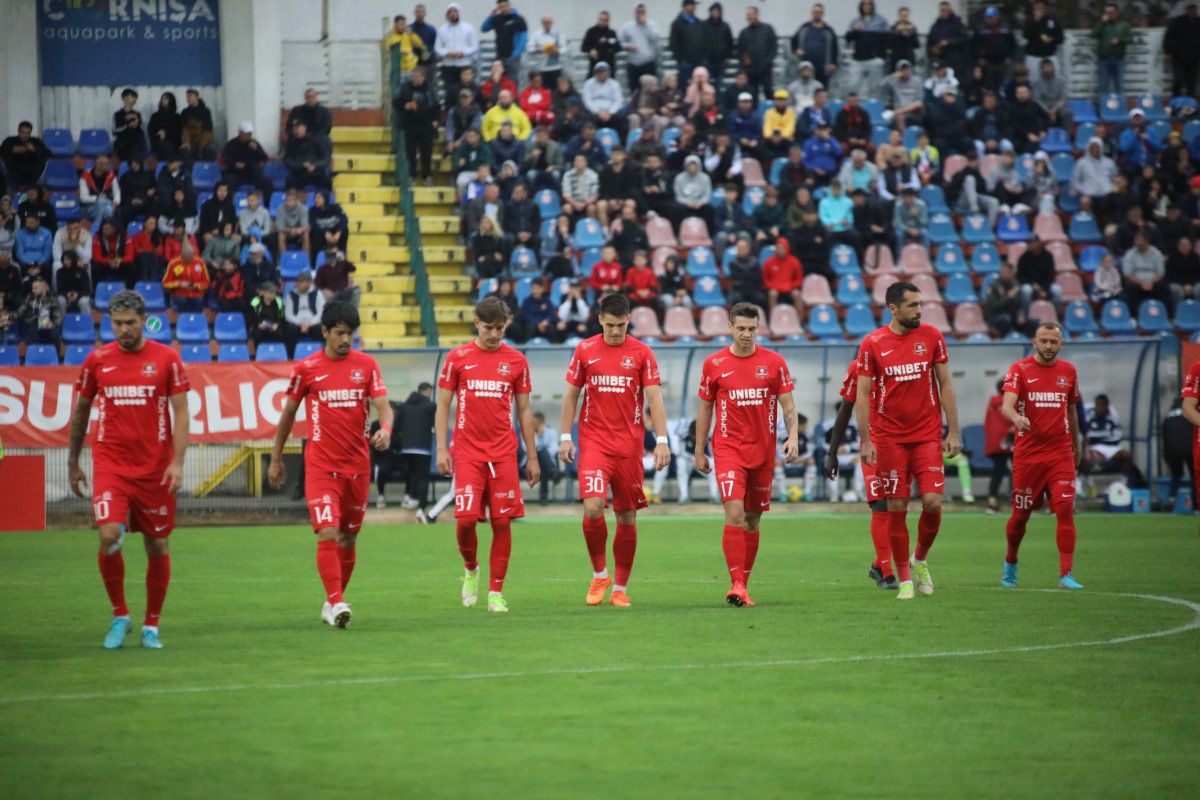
(620, 599)
(595, 595)
(737, 596)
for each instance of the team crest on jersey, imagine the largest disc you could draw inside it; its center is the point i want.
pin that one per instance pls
(106, 496)
(326, 500)
(149, 369)
(627, 362)
(357, 376)
(1062, 381)
(760, 372)
(162, 509)
(502, 368)
(920, 349)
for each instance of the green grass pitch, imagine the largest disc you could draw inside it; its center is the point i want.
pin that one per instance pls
(829, 688)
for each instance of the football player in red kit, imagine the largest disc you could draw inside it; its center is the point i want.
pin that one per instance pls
(1191, 412)
(137, 456)
(617, 376)
(486, 377)
(340, 385)
(903, 388)
(1040, 395)
(742, 384)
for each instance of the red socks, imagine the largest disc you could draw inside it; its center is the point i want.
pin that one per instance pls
(927, 531)
(348, 556)
(733, 542)
(329, 567)
(624, 546)
(112, 570)
(158, 577)
(468, 543)
(501, 549)
(595, 533)
(751, 538)
(1015, 532)
(881, 539)
(898, 533)
(1064, 535)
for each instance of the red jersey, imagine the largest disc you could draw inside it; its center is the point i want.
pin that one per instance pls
(606, 274)
(133, 435)
(905, 404)
(1044, 394)
(997, 430)
(613, 379)
(1191, 388)
(849, 390)
(744, 390)
(484, 383)
(186, 279)
(339, 392)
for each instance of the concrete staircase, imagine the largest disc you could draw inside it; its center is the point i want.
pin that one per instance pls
(365, 186)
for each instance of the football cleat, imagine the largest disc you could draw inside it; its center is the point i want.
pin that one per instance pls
(875, 573)
(737, 596)
(496, 602)
(326, 616)
(150, 639)
(924, 579)
(470, 588)
(340, 613)
(906, 591)
(117, 631)
(1068, 582)
(890, 583)
(1009, 579)
(620, 599)
(595, 595)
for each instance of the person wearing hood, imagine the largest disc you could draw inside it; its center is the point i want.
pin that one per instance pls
(639, 39)
(1049, 90)
(717, 43)
(456, 47)
(869, 34)
(949, 40)
(512, 34)
(803, 89)
(692, 189)
(600, 43)
(757, 44)
(782, 277)
(1093, 174)
(603, 98)
(815, 43)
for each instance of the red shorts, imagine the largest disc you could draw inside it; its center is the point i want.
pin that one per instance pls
(1032, 482)
(896, 465)
(624, 474)
(874, 487)
(336, 500)
(144, 505)
(751, 485)
(486, 490)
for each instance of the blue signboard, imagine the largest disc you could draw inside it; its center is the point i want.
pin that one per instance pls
(115, 42)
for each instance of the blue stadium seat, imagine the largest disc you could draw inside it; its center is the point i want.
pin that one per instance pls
(1153, 318)
(1013, 228)
(935, 199)
(94, 142)
(1115, 318)
(271, 351)
(66, 206)
(986, 259)
(588, 233)
(195, 354)
(763, 255)
(752, 198)
(1113, 110)
(1015, 336)
(1083, 132)
(950, 260)
(1082, 111)
(959, 289)
(588, 259)
(1024, 167)
(978, 336)
(1152, 107)
(1191, 130)
(609, 139)
(1187, 316)
(60, 141)
(523, 261)
(1083, 228)
(104, 293)
(292, 263)
(276, 172)
(875, 108)
(911, 132)
(242, 199)
(670, 136)
(233, 353)
(844, 260)
(158, 328)
(521, 289)
(152, 293)
(941, 229)
(1068, 201)
(230, 327)
(1062, 164)
(1056, 141)
(106, 330)
(541, 341)
(1159, 131)
(634, 135)
(9, 357)
(79, 329)
(708, 293)
(549, 203)
(192, 327)
(823, 322)
(205, 175)
(76, 353)
(879, 135)
(851, 290)
(777, 170)
(1091, 256)
(975, 230)
(558, 290)
(1078, 319)
(61, 176)
(702, 263)
(133, 229)
(41, 355)
(275, 203)
(306, 349)
(485, 288)
(860, 320)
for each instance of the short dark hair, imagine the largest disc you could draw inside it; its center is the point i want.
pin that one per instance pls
(339, 312)
(424, 386)
(492, 311)
(746, 310)
(128, 92)
(398, 18)
(615, 304)
(1054, 326)
(895, 293)
(24, 124)
(1101, 396)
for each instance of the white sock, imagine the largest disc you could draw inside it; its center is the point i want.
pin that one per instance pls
(492, 594)
(618, 588)
(153, 628)
(810, 481)
(601, 574)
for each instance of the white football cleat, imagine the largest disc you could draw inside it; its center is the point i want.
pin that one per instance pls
(326, 616)
(340, 615)
(924, 579)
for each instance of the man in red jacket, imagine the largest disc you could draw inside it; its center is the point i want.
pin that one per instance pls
(782, 277)
(641, 284)
(997, 444)
(186, 280)
(607, 273)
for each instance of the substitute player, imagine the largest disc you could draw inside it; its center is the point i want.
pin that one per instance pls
(743, 383)
(1191, 412)
(881, 521)
(137, 456)
(617, 376)
(903, 388)
(486, 376)
(340, 385)
(1040, 394)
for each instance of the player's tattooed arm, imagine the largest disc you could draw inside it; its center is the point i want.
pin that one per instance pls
(658, 415)
(533, 470)
(275, 473)
(566, 448)
(950, 405)
(835, 439)
(76, 433)
(862, 413)
(703, 423)
(441, 430)
(788, 407)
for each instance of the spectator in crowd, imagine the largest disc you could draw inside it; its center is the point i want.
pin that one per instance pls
(1113, 35)
(821, 155)
(941, 81)
(334, 278)
(1004, 302)
(427, 32)
(692, 189)
(769, 220)
(1035, 273)
(186, 281)
(946, 121)
(243, 158)
(1183, 271)
(902, 45)
(1102, 427)
(580, 189)
(871, 224)
(306, 159)
(74, 285)
(328, 224)
(8, 223)
(139, 192)
(99, 191)
(180, 208)
(291, 224)
(1144, 269)
(315, 117)
(949, 40)
(757, 45)
(34, 245)
(224, 243)
(166, 128)
(417, 111)
(905, 95)
(779, 125)
(687, 39)
(487, 204)
(608, 275)
(641, 284)
(639, 39)
(505, 110)
(521, 219)
(457, 47)
(1177, 436)
(869, 35)
(537, 101)
(803, 90)
(197, 140)
(546, 441)
(146, 251)
(1092, 177)
(512, 34)
(268, 321)
(574, 313)
(745, 275)
(657, 193)
(618, 183)
(815, 115)
(228, 288)
(852, 126)
(74, 237)
(968, 192)
(40, 315)
(539, 317)
(489, 248)
(1138, 145)
(672, 285)
(460, 118)
(997, 446)
(24, 157)
(816, 44)
(171, 178)
(836, 212)
(468, 157)
(603, 98)
(1049, 90)
(10, 282)
(172, 244)
(407, 43)
(215, 212)
(259, 267)
(718, 43)
(600, 44)
(303, 307)
(898, 175)
(782, 278)
(993, 46)
(1179, 48)
(545, 52)
(910, 220)
(497, 82)
(255, 219)
(745, 125)
(810, 243)
(989, 125)
(1043, 37)
(506, 147)
(129, 134)
(1107, 282)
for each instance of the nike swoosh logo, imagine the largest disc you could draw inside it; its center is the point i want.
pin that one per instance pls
(158, 528)
(1065, 496)
(939, 483)
(504, 510)
(320, 378)
(885, 352)
(470, 366)
(593, 361)
(107, 369)
(726, 374)
(1032, 380)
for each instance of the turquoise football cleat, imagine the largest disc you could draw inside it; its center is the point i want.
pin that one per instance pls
(1068, 582)
(1009, 579)
(150, 639)
(117, 631)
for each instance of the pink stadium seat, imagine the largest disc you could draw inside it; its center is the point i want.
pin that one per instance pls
(643, 320)
(752, 174)
(815, 291)
(952, 166)
(878, 260)
(914, 260)
(927, 284)
(1048, 228)
(764, 330)
(879, 292)
(660, 233)
(659, 257)
(678, 322)
(1013, 251)
(785, 322)
(713, 322)
(968, 319)
(694, 233)
(1043, 311)
(1064, 259)
(1071, 285)
(988, 164)
(935, 314)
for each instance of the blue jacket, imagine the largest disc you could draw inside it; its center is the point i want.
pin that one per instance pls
(744, 126)
(822, 154)
(512, 36)
(534, 311)
(1138, 152)
(807, 120)
(33, 248)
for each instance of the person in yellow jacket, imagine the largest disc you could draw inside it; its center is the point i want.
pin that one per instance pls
(779, 124)
(412, 48)
(505, 109)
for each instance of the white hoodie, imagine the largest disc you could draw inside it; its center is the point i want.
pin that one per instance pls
(456, 37)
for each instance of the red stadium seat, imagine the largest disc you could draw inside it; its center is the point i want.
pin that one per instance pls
(678, 322)
(968, 319)
(1013, 251)
(1064, 259)
(927, 285)
(714, 321)
(785, 322)
(952, 165)
(763, 328)
(1043, 311)
(935, 314)
(815, 291)
(1071, 285)
(644, 321)
(660, 233)
(914, 260)
(752, 174)
(659, 257)
(878, 260)
(879, 291)
(1048, 228)
(694, 233)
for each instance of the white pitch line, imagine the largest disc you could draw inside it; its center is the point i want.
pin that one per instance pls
(1193, 624)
